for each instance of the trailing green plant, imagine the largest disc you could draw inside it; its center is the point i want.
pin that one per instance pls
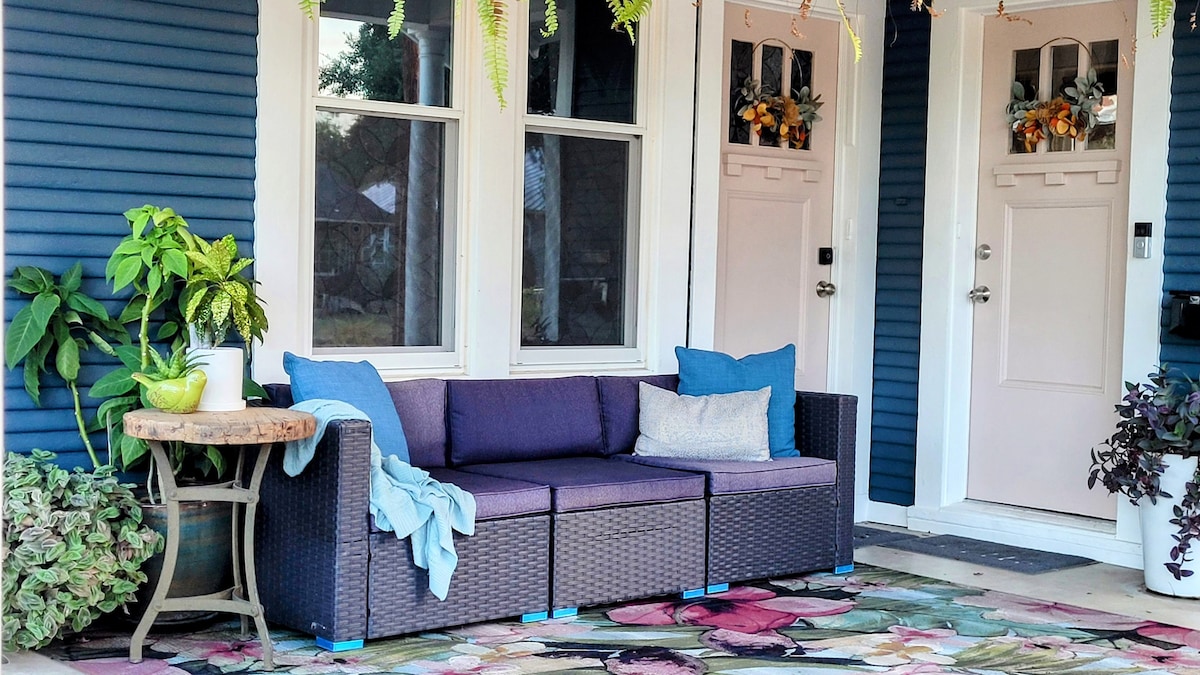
(1158, 418)
(219, 297)
(52, 329)
(74, 547)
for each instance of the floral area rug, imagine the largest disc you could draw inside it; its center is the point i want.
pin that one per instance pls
(871, 621)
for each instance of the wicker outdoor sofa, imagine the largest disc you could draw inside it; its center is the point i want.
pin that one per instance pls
(567, 517)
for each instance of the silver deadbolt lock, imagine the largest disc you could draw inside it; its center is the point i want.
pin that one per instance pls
(983, 252)
(825, 289)
(980, 294)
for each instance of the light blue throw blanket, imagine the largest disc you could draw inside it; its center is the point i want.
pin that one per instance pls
(404, 498)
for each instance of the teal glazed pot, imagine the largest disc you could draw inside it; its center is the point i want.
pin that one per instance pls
(205, 563)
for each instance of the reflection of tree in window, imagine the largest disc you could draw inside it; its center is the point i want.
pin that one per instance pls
(378, 278)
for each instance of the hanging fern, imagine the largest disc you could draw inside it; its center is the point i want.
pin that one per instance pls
(1160, 15)
(626, 13)
(850, 29)
(551, 19)
(494, 21)
(395, 20)
(309, 7)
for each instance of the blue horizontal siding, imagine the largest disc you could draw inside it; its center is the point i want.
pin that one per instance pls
(108, 106)
(1181, 258)
(898, 270)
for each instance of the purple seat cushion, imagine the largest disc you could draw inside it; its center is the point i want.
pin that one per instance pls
(495, 497)
(729, 477)
(421, 405)
(619, 408)
(580, 483)
(512, 420)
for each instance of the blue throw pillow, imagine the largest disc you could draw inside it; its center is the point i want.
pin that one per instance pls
(359, 385)
(702, 373)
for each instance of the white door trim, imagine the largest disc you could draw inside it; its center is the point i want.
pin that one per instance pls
(946, 316)
(855, 207)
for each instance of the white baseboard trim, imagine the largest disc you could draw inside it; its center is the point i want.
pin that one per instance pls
(1057, 533)
(884, 514)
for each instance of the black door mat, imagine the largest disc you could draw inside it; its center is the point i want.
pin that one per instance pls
(1004, 557)
(865, 535)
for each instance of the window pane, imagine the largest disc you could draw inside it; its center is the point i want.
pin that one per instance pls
(1027, 71)
(741, 68)
(1104, 60)
(359, 61)
(380, 224)
(1064, 68)
(576, 246)
(801, 77)
(586, 70)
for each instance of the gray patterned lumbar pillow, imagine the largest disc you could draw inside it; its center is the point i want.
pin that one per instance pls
(717, 426)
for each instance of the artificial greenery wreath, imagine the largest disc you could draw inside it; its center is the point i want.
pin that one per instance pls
(1072, 115)
(774, 117)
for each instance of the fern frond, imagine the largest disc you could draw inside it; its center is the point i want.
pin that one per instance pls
(395, 20)
(1160, 15)
(850, 30)
(551, 18)
(494, 21)
(626, 13)
(309, 7)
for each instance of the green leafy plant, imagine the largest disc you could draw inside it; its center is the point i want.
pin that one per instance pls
(52, 328)
(219, 297)
(74, 546)
(1158, 418)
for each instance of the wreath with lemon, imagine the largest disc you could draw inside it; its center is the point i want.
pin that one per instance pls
(772, 117)
(1072, 115)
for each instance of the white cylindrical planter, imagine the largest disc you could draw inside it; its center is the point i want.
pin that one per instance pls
(223, 366)
(1157, 530)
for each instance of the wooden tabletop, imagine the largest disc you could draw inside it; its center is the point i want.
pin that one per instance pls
(242, 427)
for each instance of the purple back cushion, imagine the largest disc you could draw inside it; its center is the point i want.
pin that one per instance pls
(511, 420)
(421, 405)
(619, 407)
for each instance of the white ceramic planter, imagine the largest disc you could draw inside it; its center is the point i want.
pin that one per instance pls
(1157, 530)
(223, 366)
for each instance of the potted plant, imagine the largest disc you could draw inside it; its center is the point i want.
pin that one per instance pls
(173, 384)
(219, 298)
(74, 541)
(74, 547)
(1152, 459)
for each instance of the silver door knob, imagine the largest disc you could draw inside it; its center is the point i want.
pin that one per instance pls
(825, 289)
(980, 294)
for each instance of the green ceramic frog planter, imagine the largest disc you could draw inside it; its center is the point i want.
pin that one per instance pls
(173, 385)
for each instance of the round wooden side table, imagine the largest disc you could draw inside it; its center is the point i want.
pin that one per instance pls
(253, 426)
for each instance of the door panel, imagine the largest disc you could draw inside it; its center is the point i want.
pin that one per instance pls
(776, 202)
(1046, 352)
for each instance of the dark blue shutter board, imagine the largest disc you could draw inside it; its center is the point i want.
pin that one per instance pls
(108, 106)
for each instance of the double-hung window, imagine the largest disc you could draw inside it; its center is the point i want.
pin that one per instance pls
(582, 172)
(384, 192)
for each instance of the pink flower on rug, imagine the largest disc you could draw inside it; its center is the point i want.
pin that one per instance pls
(850, 584)
(501, 633)
(897, 652)
(1173, 634)
(1182, 661)
(460, 665)
(119, 665)
(744, 609)
(216, 653)
(1028, 610)
(765, 643)
(916, 669)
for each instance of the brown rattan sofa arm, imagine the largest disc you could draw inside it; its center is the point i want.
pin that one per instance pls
(311, 543)
(826, 426)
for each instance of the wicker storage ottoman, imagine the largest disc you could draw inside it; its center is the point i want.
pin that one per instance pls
(764, 534)
(622, 553)
(502, 571)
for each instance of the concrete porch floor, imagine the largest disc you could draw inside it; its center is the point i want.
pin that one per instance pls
(1101, 587)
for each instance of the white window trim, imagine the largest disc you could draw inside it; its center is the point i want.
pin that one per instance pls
(484, 280)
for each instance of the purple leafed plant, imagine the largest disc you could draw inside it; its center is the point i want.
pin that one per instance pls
(1161, 417)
